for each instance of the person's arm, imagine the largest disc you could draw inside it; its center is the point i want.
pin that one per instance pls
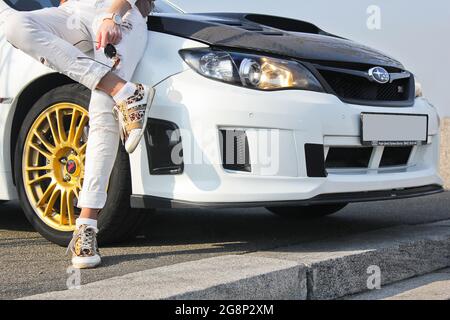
(109, 31)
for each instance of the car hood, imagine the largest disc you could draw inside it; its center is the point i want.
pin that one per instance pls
(268, 34)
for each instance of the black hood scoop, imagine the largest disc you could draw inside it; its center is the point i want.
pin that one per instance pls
(269, 34)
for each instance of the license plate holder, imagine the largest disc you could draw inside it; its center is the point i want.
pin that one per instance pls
(393, 129)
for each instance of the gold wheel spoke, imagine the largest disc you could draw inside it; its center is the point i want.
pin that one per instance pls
(70, 209)
(82, 151)
(53, 130)
(41, 151)
(73, 126)
(39, 179)
(80, 129)
(44, 141)
(45, 168)
(51, 202)
(76, 192)
(60, 124)
(63, 213)
(46, 195)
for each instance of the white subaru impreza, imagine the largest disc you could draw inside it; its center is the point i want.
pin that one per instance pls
(251, 110)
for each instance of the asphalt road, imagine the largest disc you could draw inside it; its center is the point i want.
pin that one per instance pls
(30, 265)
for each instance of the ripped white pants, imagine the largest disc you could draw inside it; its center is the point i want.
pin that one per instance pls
(60, 37)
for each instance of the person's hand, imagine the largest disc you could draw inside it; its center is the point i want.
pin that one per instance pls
(109, 32)
(145, 6)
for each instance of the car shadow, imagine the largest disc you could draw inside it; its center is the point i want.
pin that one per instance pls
(216, 250)
(182, 235)
(238, 231)
(198, 236)
(12, 218)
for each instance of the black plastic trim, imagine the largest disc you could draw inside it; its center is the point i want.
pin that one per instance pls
(315, 160)
(168, 168)
(151, 202)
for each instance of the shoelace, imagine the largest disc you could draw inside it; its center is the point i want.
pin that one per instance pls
(88, 239)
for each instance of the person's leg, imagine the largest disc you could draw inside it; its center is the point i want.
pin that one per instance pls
(103, 139)
(47, 36)
(101, 153)
(111, 84)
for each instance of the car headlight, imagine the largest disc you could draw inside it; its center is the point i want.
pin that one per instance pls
(251, 70)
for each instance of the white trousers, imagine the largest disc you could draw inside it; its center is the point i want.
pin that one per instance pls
(60, 38)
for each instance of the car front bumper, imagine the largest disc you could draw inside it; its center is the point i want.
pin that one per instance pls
(278, 126)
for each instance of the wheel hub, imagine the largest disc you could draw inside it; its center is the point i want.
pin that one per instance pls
(71, 167)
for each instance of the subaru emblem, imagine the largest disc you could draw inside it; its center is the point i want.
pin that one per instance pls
(380, 75)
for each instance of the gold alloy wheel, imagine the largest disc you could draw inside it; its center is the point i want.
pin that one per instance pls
(53, 164)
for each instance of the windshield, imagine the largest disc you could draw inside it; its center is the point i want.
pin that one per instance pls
(161, 6)
(30, 5)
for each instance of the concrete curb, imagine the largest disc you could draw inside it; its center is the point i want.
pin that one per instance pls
(325, 270)
(432, 286)
(339, 267)
(225, 277)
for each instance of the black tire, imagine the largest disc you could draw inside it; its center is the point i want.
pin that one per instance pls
(117, 221)
(307, 212)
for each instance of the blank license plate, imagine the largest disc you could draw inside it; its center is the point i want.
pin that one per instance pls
(382, 129)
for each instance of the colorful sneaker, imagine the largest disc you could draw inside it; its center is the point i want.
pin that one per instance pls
(84, 248)
(132, 115)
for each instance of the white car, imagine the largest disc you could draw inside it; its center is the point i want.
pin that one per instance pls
(251, 111)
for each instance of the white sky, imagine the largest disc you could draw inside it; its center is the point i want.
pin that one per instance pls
(416, 32)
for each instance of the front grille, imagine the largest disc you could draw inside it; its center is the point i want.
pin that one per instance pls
(354, 86)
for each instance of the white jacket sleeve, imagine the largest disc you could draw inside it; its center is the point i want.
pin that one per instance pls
(132, 2)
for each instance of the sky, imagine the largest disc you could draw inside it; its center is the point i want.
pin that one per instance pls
(416, 32)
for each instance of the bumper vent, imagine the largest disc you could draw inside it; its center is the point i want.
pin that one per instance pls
(164, 147)
(348, 158)
(235, 150)
(359, 157)
(395, 156)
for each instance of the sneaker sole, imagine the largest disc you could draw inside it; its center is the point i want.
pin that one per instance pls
(86, 262)
(132, 148)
